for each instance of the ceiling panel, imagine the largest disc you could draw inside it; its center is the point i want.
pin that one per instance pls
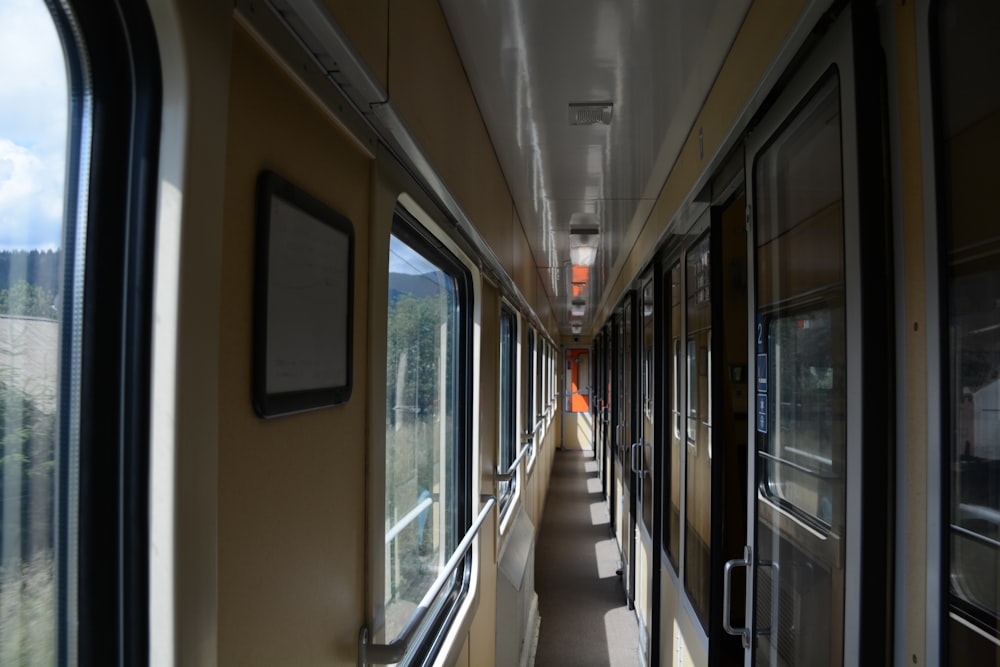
(528, 61)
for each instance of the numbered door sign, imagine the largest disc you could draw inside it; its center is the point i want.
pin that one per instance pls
(761, 376)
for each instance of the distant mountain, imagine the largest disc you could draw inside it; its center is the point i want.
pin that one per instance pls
(418, 285)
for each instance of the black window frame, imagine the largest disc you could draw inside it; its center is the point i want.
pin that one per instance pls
(115, 102)
(436, 626)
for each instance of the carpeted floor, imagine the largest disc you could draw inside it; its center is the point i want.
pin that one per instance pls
(584, 617)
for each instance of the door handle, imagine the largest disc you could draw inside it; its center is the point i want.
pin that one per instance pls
(727, 585)
(636, 458)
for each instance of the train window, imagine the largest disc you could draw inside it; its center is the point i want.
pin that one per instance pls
(74, 341)
(540, 380)
(427, 480)
(698, 463)
(528, 373)
(673, 516)
(33, 159)
(801, 341)
(969, 139)
(508, 403)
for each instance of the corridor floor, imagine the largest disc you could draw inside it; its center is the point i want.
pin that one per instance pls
(585, 620)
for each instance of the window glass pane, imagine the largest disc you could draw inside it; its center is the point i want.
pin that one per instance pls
(969, 55)
(800, 251)
(422, 474)
(529, 388)
(539, 378)
(508, 440)
(806, 421)
(33, 124)
(698, 465)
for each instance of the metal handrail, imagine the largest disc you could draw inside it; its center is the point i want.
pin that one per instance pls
(797, 466)
(393, 652)
(408, 519)
(512, 469)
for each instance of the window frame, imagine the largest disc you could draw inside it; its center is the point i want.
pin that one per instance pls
(508, 451)
(436, 628)
(102, 511)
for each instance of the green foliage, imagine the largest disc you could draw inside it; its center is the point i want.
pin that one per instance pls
(25, 299)
(414, 342)
(27, 590)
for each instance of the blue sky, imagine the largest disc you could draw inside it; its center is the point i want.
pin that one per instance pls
(33, 119)
(403, 259)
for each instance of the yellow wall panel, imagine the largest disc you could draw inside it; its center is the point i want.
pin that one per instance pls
(291, 538)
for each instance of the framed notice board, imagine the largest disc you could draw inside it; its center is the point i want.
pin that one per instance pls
(303, 301)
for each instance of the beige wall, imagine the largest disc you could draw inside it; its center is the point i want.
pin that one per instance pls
(291, 545)
(295, 493)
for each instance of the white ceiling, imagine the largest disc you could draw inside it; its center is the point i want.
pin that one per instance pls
(528, 60)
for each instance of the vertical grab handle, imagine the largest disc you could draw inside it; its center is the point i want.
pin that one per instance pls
(727, 586)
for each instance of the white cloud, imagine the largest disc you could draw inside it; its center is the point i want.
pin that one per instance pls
(31, 199)
(33, 121)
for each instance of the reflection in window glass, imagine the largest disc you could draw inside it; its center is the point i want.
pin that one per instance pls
(806, 419)
(969, 54)
(801, 384)
(33, 125)
(698, 463)
(647, 435)
(529, 391)
(673, 516)
(422, 475)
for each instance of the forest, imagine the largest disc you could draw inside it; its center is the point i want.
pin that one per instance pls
(29, 282)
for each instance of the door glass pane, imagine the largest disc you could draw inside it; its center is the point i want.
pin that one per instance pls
(648, 437)
(673, 515)
(698, 467)
(806, 425)
(800, 407)
(421, 475)
(969, 54)
(33, 123)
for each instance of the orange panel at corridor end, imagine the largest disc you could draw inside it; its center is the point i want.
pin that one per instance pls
(578, 402)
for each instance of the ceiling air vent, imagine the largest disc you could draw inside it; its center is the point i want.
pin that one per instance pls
(590, 113)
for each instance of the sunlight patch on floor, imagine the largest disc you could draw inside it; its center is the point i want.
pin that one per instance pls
(599, 514)
(623, 642)
(607, 558)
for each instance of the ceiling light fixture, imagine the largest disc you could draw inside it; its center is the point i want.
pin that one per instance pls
(583, 243)
(590, 113)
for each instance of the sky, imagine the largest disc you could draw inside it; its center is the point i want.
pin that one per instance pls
(403, 259)
(33, 120)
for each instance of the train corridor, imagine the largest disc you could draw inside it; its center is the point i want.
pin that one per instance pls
(584, 616)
